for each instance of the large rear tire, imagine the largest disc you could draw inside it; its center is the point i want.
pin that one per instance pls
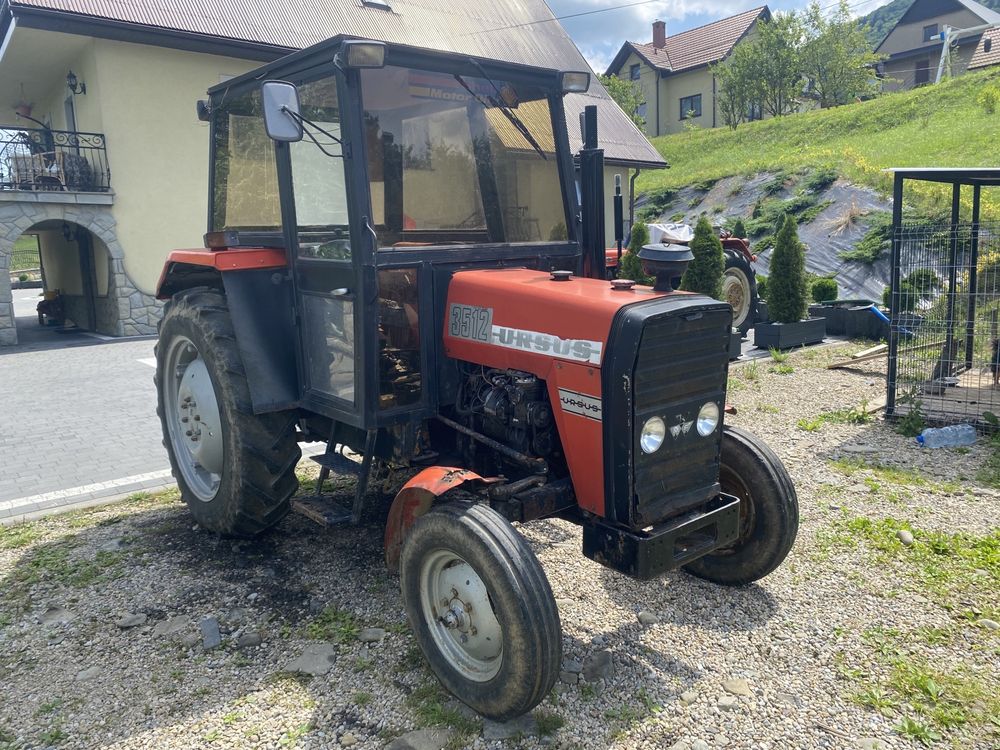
(769, 513)
(739, 289)
(235, 469)
(481, 609)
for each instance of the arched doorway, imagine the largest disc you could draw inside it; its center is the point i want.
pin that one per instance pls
(77, 279)
(82, 258)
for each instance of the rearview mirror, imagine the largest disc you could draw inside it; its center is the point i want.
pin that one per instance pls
(281, 111)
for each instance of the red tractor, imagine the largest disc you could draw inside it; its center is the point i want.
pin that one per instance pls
(397, 265)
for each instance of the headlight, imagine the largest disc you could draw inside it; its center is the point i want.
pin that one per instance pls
(651, 437)
(708, 419)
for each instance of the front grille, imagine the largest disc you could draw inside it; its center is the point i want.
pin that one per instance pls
(681, 365)
(666, 358)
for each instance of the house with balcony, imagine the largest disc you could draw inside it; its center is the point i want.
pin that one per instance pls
(103, 159)
(914, 45)
(674, 73)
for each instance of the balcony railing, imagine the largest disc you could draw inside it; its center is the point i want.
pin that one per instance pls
(54, 160)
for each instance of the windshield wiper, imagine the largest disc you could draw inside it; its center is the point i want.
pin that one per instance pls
(498, 103)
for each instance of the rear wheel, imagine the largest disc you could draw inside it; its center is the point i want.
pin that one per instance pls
(481, 609)
(769, 513)
(235, 470)
(739, 289)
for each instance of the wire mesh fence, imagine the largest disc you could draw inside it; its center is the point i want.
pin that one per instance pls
(24, 257)
(945, 323)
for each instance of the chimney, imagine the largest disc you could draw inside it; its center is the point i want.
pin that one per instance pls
(659, 34)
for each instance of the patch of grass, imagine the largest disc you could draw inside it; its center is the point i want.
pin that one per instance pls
(333, 624)
(989, 472)
(53, 736)
(53, 564)
(292, 736)
(587, 692)
(362, 665)
(944, 566)
(49, 707)
(767, 409)
(362, 699)
(777, 355)
(750, 371)
(548, 722)
(428, 703)
(289, 680)
(854, 415)
(783, 369)
(21, 535)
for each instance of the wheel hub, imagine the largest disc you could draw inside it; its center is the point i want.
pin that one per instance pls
(460, 616)
(194, 421)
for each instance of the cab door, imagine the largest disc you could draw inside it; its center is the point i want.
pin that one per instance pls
(316, 198)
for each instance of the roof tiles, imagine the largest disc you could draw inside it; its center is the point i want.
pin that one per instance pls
(700, 46)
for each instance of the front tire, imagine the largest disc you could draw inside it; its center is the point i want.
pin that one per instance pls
(739, 289)
(481, 609)
(769, 513)
(235, 469)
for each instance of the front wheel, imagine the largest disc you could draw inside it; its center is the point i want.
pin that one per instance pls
(769, 513)
(481, 609)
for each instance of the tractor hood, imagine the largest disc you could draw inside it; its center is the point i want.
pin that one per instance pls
(527, 320)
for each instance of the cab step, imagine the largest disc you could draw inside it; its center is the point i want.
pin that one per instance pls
(322, 510)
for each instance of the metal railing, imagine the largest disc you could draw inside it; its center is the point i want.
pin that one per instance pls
(53, 160)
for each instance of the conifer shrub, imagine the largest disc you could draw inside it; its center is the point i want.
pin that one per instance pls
(786, 286)
(631, 266)
(704, 272)
(824, 289)
(739, 229)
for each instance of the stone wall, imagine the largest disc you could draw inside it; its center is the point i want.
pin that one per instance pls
(126, 311)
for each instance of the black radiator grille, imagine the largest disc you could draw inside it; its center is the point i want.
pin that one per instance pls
(682, 363)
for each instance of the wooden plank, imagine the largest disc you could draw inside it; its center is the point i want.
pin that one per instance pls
(883, 351)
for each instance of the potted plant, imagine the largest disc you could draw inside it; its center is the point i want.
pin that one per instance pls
(824, 304)
(786, 296)
(704, 272)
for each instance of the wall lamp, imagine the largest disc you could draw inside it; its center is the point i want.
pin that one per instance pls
(72, 84)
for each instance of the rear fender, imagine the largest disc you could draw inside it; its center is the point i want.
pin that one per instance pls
(415, 499)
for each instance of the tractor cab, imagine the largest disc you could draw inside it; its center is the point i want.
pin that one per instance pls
(394, 167)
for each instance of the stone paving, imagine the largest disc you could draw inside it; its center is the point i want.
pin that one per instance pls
(77, 419)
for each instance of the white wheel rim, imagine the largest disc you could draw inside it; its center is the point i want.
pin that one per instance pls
(194, 423)
(736, 291)
(457, 609)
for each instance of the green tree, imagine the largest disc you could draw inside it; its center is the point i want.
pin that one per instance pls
(631, 267)
(738, 79)
(786, 286)
(777, 48)
(739, 229)
(628, 95)
(704, 272)
(836, 57)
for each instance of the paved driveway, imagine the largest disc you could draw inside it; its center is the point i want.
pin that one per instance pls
(77, 418)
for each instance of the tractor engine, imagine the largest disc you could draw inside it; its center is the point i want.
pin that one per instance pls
(511, 407)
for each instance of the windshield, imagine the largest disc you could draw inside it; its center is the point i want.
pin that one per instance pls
(449, 162)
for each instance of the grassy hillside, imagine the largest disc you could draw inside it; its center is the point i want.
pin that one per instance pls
(935, 126)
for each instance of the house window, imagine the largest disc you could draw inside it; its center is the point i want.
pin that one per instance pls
(633, 73)
(930, 32)
(690, 106)
(922, 73)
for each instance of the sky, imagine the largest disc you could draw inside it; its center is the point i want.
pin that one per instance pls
(600, 36)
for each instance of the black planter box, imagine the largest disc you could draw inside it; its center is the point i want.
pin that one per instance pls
(835, 316)
(735, 345)
(862, 323)
(789, 335)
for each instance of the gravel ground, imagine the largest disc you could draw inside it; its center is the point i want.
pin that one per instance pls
(125, 627)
